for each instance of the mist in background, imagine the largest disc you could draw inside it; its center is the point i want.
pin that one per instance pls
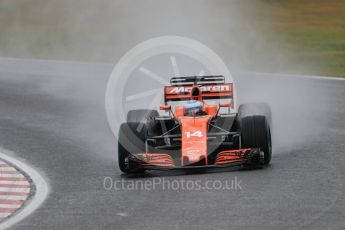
(102, 31)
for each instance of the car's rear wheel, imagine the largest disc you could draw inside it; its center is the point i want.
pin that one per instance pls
(255, 133)
(131, 139)
(259, 108)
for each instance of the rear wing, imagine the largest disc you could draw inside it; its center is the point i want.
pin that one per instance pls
(197, 80)
(212, 87)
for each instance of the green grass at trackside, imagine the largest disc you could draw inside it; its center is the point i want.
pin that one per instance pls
(313, 31)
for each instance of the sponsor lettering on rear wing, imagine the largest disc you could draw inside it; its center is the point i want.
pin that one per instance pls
(209, 92)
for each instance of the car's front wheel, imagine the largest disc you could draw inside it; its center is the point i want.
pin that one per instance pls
(131, 139)
(255, 133)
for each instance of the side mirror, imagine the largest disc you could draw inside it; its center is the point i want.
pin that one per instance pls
(165, 107)
(225, 104)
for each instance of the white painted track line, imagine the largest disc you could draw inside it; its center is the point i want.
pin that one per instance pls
(10, 205)
(5, 214)
(12, 175)
(14, 182)
(11, 197)
(7, 169)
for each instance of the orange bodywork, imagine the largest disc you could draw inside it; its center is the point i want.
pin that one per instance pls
(211, 110)
(194, 129)
(194, 138)
(230, 156)
(179, 111)
(156, 159)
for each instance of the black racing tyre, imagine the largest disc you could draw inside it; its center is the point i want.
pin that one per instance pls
(251, 109)
(255, 133)
(141, 115)
(131, 139)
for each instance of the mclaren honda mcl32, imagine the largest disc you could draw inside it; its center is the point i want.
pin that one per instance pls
(197, 133)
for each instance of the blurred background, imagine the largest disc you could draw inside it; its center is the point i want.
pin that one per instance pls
(276, 36)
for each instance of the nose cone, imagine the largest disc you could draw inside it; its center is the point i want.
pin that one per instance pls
(194, 139)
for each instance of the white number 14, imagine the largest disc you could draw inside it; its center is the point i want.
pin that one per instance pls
(194, 134)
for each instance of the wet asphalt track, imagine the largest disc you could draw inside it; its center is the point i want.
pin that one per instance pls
(52, 117)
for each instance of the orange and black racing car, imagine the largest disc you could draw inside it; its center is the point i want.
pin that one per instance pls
(197, 133)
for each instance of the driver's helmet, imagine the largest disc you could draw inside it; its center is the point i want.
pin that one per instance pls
(193, 107)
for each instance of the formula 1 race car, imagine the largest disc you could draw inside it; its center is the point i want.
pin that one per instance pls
(196, 134)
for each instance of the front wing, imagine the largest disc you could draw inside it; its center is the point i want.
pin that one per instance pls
(228, 158)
